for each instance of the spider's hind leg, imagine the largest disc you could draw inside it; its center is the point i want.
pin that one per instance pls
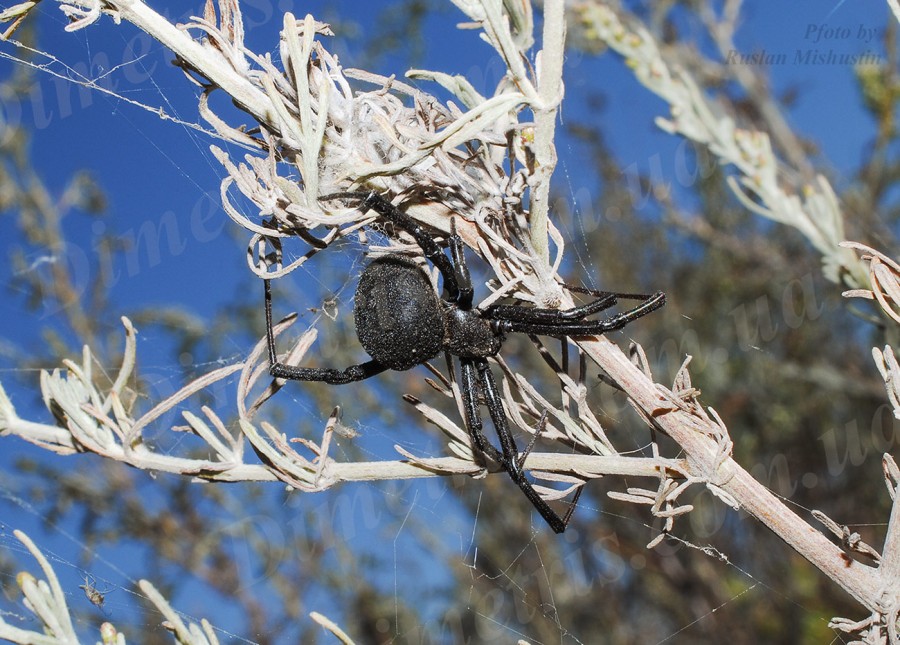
(538, 315)
(649, 304)
(537, 433)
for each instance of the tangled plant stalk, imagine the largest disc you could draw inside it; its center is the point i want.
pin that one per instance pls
(440, 159)
(345, 129)
(813, 210)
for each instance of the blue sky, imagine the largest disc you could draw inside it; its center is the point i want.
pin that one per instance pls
(154, 171)
(160, 176)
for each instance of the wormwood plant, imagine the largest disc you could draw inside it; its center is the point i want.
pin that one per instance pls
(480, 159)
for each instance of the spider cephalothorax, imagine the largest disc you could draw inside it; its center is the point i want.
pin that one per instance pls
(401, 321)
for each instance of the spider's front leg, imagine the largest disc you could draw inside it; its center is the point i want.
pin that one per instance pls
(465, 291)
(390, 213)
(570, 322)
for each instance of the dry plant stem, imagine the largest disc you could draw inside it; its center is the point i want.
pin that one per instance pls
(813, 208)
(52, 437)
(188, 49)
(202, 634)
(814, 211)
(550, 90)
(94, 421)
(890, 555)
(332, 627)
(865, 583)
(895, 8)
(47, 599)
(750, 78)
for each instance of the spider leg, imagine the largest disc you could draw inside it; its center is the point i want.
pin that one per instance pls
(324, 374)
(601, 294)
(370, 200)
(541, 315)
(604, 300)
(537, 433)
(547, 325)
(510, 460)
(461, 269)
(495, 408)
(470, 383)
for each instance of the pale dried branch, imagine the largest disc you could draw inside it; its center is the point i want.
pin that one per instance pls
(890, 554)
(870, 630)
(895, 8)
(77, 405)
(850, 540)
(440, 159)
(889, 369)
(884, 280)
(662, 500)
(16, 14)
(707, 455)
(46, 600)
(812, 209)
(332, 627)
(190, 634)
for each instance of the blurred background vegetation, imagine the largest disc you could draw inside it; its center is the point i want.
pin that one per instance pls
(775, 349)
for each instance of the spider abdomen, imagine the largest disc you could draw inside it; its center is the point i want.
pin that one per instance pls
(398, 315)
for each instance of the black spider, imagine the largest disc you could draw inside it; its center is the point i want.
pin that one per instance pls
(401, 322)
